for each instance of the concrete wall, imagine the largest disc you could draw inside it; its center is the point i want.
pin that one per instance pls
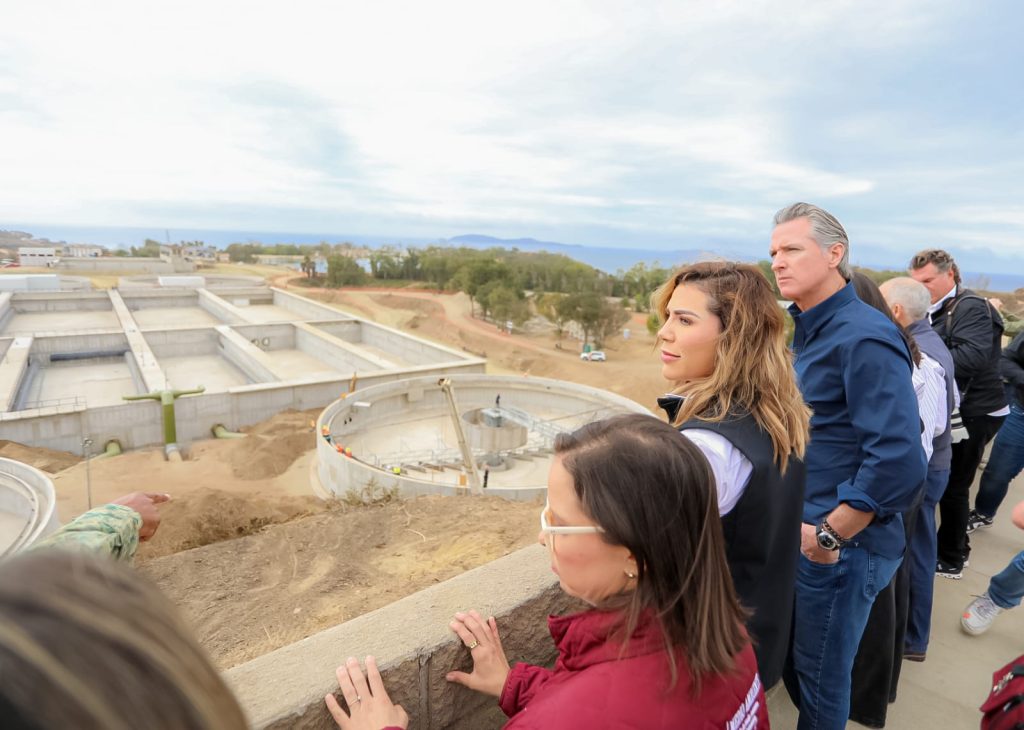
(414, 649)
(43, 347)
(165, 300)
(274, 336)
(181, 343)
(409, 348)
(13, 365)
(342, 355)
(219, 308)
(117, 264)
(246, 356)
(67, 302)
(305, 308)
(138, 424)
(6, 310)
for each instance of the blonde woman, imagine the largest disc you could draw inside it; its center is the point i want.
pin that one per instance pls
(734, 395)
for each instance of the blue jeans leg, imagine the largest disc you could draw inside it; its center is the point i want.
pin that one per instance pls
(1007, 588)
(1005, 462)
(922, 554)
(832, 606)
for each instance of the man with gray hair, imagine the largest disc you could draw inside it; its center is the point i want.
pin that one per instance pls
(909, 301)
(973, 331)
(864, 462)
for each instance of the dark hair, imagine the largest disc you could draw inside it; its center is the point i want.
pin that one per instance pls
(943, 261)
(87, 643)
(869, 293)
(652, 491)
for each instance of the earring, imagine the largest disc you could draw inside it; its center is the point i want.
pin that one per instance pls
(629, 575)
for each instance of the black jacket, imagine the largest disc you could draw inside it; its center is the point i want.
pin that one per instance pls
(762, 537)
(973, 331)
(1011, 367)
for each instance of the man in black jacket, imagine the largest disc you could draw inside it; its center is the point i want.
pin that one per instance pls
(972, 330)
(1007, 458)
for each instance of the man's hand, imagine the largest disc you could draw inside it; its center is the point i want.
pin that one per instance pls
(145, 503)
(812, 550)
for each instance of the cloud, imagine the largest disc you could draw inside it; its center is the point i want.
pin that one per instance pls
(606, 121)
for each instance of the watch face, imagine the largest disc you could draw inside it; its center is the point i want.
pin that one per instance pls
(826, 541)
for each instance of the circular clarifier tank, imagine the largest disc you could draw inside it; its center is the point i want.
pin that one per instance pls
(404, 435)
(28, 509)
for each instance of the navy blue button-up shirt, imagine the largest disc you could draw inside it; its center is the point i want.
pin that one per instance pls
(854, 371)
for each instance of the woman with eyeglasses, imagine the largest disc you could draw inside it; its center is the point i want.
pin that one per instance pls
(632, 529)
(734, 395)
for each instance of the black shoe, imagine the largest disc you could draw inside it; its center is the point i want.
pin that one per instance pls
(977, 520)
(913, 656)
(946, 570)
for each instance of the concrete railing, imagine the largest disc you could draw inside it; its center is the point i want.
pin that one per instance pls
(414, 649)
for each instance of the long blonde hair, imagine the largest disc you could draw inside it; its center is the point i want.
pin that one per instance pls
(87, 643)
(753, 367)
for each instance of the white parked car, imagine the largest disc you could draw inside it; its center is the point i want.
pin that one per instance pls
(595, 356)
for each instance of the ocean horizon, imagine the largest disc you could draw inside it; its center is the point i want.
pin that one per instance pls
(607, 259)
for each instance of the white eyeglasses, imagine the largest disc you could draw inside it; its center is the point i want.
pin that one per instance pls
(546, 527)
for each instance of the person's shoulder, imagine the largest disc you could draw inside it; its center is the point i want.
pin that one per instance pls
(861, 322)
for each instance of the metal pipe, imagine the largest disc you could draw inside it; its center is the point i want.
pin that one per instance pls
(113, 448)
(86, 355)
(167, 398)
(221, 432)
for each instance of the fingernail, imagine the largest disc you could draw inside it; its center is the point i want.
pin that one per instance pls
(350, 659)
(448, 677)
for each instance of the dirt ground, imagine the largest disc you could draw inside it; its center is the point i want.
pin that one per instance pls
(257, 562)
(253, 594)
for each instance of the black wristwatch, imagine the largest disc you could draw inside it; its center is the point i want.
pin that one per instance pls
(828, 538)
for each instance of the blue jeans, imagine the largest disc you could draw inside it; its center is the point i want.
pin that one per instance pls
(832, 606)
(1007, 588)
(1004, 463)
(922, 554)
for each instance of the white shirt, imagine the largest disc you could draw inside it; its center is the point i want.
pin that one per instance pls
(731, 468)
(938, 305)
(930, 387)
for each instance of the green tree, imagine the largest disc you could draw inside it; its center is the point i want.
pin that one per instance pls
(506, 304)
(343, 271)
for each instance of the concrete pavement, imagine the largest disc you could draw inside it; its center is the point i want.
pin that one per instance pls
(945, 691)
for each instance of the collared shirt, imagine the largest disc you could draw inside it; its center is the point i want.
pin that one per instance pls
(938, 305)
(854, 372)
(930, 387)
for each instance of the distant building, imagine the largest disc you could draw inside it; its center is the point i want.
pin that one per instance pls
(38, 256)
(82, 250)
(187, 252)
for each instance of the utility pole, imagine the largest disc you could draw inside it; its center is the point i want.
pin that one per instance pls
(86, 443)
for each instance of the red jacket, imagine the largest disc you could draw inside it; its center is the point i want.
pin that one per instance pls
(592, 688)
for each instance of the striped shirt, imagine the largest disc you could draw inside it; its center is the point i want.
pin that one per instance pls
(930, 387)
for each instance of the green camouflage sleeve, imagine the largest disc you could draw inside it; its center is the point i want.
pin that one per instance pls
(108, 530)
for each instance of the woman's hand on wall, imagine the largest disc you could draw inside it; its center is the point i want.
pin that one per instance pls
(490, 667)
(369, 707)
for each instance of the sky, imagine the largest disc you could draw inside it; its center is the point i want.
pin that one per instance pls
(656, 125)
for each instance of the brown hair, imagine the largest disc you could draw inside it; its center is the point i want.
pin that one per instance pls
(869, 293)
(654, 493)
(753, 366)
(942, 259)
(85, 642)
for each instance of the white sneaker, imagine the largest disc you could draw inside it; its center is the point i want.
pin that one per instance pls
(979, 615)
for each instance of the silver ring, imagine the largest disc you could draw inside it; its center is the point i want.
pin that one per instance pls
(358, 698)
(473, 646)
